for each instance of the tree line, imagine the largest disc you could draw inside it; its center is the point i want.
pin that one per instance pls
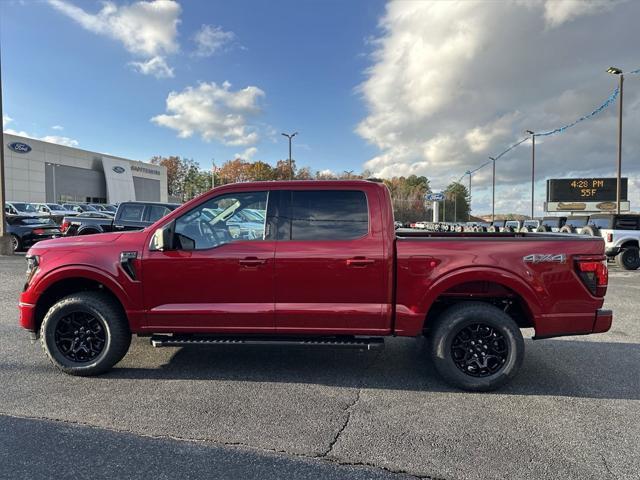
(187, 180)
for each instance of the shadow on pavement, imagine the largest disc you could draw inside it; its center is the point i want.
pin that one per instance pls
(552, 367)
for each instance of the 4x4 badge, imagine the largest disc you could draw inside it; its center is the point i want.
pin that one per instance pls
(545, 258)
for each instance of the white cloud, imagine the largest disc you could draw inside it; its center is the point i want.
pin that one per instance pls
(557, 12)
(147, 29)
(247, 154)
(66, 141)
(214, 112)
(156, 66)
(210, 40)
(452, 83)
(57, 127)
(6, 119)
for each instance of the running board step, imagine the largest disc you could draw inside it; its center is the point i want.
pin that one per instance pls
(366, 343)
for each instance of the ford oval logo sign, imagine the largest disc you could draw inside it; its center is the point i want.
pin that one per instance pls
(118, 169)
(20, 147)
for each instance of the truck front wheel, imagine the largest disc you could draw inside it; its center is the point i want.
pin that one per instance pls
(85, 333)
(476, 346)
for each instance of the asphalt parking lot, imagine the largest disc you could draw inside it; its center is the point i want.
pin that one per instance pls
(269, 412)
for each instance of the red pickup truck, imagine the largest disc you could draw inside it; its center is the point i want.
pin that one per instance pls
(317, 263)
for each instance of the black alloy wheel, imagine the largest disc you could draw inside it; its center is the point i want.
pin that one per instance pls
(80, 337)
(479, 350)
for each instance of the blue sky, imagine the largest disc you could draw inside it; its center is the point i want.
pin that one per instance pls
(307, 57)
(401, 87)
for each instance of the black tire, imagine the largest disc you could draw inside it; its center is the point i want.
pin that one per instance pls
(109, 327)
(628, 258)
(543, 229)
(452, 326)
(16, 244)
(88, 231)
(567, 229)
(590, 230)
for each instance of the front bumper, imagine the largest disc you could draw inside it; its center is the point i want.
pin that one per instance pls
(27, 316)
(612, 251)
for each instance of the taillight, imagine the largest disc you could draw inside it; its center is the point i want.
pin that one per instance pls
(38, 231)
(594, 274)
(64, 226)
(609, 237)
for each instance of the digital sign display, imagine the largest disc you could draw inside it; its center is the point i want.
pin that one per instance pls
(584, 189)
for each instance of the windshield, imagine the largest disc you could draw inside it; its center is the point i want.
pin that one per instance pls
(54, 206)
(25, 207)
(109, 208)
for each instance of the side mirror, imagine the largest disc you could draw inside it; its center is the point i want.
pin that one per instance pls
(163, 238)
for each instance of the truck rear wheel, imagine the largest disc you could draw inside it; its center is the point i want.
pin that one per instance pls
(85, 334)
(476, 346)
(628, 258)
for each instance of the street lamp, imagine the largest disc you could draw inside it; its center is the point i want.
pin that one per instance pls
(620, 73)
(290, 137)
(493, 191)
(468, 172)
(5, 240)
(533, 167)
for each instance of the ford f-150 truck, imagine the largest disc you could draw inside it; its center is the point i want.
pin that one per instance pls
(328, 268)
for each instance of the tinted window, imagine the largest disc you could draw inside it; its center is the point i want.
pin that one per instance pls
(156, 212)
(221, 220)
(132, 213)
(627, 223)
(551, 222)
(25, 207)
(328, 215)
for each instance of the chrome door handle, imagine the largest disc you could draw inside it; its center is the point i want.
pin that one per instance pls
(252, 261)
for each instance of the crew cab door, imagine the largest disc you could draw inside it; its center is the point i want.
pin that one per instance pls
(219, 276)
(331, 271)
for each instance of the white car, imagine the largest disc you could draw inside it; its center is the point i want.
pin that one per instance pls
(621, 234)
(22, 209)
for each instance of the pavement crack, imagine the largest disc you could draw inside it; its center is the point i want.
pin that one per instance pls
(348, 411)
(606, 466)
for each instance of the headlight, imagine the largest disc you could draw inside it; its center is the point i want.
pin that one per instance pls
(33, 262)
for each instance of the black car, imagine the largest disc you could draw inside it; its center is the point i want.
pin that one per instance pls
(129, 216)
(25, 231)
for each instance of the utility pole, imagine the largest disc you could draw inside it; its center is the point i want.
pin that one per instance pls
(290, 137)
(213, 174)
(620, 73)
(493, 191)
(5, 241)
(468, 172)
(533, 167)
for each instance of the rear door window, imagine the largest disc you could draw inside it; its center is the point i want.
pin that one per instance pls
(328, 215)
(156, 212)
(603, 222)
(627, 223)
(132, 213)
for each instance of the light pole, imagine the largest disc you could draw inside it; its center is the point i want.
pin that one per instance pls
(533, 167)
(290, 137)
(620, 73)
(468, 172)
(493, 191)
(213, 173)
(5, 240)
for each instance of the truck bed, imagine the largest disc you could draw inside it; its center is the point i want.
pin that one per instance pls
(536, 270)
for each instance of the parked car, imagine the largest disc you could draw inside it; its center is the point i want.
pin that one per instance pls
(551, 224)
(21, 208)
(79, 207)
(512, 226)
(53, 210)
(574, 224)
(530, 225)
(496, 226)
(26, 231)
(328, 270)
(621, 234)
(104, 208)
(129, 216)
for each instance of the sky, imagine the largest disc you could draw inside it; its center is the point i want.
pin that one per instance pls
(397, 88)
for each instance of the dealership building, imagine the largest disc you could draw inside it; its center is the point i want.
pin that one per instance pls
(38, 171)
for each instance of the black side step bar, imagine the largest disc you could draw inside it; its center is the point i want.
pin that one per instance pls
(366, 343)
